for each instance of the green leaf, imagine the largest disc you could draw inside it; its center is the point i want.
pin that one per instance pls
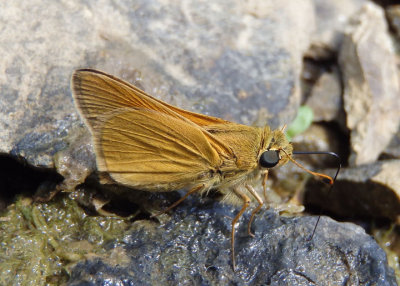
(302, 121)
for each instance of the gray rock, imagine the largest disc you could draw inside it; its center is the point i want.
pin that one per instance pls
(371, 81)
(371, 190)
(326, 97)
(193, 249)
(233, 60)
(331, 20)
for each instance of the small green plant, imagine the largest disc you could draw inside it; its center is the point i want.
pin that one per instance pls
(302, 121)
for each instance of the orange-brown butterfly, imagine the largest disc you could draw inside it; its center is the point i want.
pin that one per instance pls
(150, 145)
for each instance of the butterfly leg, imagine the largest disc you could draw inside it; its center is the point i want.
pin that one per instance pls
(264, 184)
(246, 203)
(260, 204)
(191, 191)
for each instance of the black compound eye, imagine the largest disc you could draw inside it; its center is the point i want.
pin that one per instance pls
(269, 158)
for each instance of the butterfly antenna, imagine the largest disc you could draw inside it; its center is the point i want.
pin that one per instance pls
(325, 178)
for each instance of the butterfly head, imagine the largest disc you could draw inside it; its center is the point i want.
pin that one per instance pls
(276, 149)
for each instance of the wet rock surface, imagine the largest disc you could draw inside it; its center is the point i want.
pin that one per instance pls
(280, 254)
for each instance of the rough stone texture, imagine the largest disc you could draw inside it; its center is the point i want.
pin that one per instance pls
(77, 161)
(280, 254)
(240, 61)
(326, 97)
(371, 81)
(331, 20)
(371, 190)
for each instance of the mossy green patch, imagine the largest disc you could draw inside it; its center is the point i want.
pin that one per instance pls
(39, 240)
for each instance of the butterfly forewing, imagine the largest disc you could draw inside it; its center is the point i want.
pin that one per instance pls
(138, 147)
(98, 93)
